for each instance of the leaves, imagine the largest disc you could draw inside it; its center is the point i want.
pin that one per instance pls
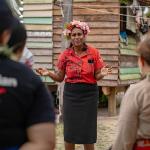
(125, 1)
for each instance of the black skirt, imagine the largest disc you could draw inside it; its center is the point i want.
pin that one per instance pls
(80, 113)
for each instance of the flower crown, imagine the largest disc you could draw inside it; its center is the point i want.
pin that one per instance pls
(82, 25)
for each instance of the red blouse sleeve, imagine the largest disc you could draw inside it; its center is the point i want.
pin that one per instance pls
(99, 63)
(61, 64)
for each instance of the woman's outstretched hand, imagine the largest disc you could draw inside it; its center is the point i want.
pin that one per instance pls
(106, 70)
(42, 71)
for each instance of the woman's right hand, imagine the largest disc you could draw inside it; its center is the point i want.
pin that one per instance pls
(42, 71)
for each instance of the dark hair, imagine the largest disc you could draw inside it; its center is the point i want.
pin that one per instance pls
(6, 16)
(18, 37)
(144, 49)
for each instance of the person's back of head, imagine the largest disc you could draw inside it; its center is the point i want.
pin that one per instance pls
(18, 38)
(144, 48)
(6, 16)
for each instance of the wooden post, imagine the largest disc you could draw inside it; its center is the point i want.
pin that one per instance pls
(67, 11)
(112, 102)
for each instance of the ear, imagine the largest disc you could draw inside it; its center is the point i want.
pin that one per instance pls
(142, 60)
(4, 38)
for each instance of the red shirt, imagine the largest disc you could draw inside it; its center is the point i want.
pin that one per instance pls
(80, 69)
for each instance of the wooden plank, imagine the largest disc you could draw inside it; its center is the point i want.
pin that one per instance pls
(109, 52)
(128, 64)
(107, 1)
(132, 40)
(127, 82)
(128, 52)
(84, 0)
(47, 79)
(42, 59)
(129, 46)
(90, 11)
(105, 45)
(37, 1)
(128, 61)
(37, 13)
(104, 24)
(112, 102)
(39, 45)
(37, 7)
(39, 27)
(103, 17)
(98, 2)
(39, 34)
(39, 20)
(42, 52)
(90, 18)
(109, 83)
(42, 65)
(112, 63)
(129, 70)
(97, 5)
(110, 58)
(102, 38)
(111, 77)
(129, 76)
(39, 39)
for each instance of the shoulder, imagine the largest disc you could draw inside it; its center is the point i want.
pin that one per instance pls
(138, 90)
(92, 49)
(22, 71)
(137, 87)
(65, 53)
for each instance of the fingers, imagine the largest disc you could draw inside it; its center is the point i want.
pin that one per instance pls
(42, 71)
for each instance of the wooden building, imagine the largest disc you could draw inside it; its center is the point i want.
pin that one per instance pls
(43, 21)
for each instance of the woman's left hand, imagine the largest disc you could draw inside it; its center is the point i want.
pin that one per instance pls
(106, 70)
(42, 71)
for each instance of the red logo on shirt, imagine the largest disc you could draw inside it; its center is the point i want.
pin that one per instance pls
(2, 90)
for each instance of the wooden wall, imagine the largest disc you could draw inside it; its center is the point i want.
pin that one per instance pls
(44, 24)
(38, 19)
(128, 66)
(104, 23)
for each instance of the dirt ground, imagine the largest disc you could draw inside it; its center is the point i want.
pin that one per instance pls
(106, 132)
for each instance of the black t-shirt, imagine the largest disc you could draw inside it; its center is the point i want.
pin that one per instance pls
(24, 101)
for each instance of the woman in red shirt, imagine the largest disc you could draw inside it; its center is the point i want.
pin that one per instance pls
(81, 65)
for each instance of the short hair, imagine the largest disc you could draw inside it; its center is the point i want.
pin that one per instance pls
(18, 37)
(6, 16)
(143, 48)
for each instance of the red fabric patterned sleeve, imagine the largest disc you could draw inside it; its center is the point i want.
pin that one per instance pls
(61, 64)
(99, 63)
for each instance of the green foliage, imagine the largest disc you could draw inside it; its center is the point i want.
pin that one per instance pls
(103, 101)
(148, 15)
(125, 1)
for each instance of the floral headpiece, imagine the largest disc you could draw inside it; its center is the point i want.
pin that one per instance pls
(82, 25)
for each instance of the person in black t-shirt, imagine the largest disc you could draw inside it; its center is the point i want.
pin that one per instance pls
(26, 111)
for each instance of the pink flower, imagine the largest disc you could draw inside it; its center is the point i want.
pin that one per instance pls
(75, 23)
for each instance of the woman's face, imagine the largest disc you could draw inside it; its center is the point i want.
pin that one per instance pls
(77, 37)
